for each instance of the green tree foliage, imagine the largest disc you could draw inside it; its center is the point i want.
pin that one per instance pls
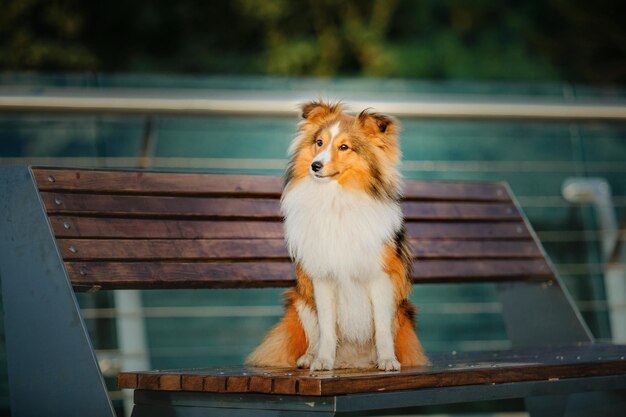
(575, 40)
(330, 37)
(37, 34)
(585, 39)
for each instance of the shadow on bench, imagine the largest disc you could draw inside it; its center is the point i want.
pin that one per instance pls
(126, 229)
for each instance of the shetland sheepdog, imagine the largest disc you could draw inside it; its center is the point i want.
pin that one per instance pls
(345, 233)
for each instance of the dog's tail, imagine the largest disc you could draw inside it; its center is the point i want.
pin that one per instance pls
(284, 343)
(407, 346)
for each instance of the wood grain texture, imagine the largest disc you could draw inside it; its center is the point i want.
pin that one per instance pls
(153, 183)
(173, 249)
(163, 230)
(192, 382)
(452, 270)
(155, 275)
(169, 183)
(129, 380)
(453, 191)
(284, 385)
(269, 249)
(149, 381)
(468, 230)
(107, 205)
(428, 249)
(214, 383)
(451, 211)
(238, 383)
(156, 206)
(170, 382)
(93, 227)
(89, 227)
(261, 384)
(469, 368)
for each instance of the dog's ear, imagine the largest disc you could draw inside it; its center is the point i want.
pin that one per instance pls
(382, 132)
(377, 124)
(314, 111)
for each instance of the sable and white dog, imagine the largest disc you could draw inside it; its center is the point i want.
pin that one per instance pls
(345, 233)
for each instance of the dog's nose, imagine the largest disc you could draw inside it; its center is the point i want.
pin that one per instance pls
(316, 166)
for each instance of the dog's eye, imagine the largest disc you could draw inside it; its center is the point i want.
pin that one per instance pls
(343, 147)
(319, 142)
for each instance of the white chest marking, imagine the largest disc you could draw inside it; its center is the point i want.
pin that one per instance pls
(338, 236)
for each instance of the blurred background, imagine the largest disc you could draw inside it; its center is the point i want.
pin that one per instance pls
(529, 92)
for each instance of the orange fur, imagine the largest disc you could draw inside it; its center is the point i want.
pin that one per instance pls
(395, 268)
(407, 346)
(305, 287)
(352, 167)
(285, 342)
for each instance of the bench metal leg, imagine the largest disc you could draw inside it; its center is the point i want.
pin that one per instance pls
(194, 404)
(548, 398)
(546, 405)
(590, 404)
(161, 411)
(544, 314)
(52, 366)
(539, 314)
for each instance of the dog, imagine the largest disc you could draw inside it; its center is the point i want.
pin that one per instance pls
(345, 233)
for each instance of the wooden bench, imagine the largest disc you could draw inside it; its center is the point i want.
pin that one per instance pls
(94, 229)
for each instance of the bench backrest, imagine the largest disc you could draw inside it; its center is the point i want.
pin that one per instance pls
(123, 229)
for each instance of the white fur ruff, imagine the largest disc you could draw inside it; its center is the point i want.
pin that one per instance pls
(337, 234)
(337, 237)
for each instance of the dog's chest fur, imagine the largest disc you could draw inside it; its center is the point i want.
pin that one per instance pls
(339, 235)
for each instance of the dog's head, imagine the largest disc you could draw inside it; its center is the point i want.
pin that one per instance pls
(358, 152)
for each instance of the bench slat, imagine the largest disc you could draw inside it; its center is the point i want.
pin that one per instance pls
(459, 211)
(181, 207)
(474, 249)
(156, 206)
(458, 230)
(471, 368)
(450, 191)
(133, 182)
(163, 229)
(137, 182)
(173, 249)
(234, 249)
(452, 270)
(154, 275)
(111, 275)
(96, 227)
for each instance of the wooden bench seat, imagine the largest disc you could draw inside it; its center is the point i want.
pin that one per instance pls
(451, 369)
(98, 229)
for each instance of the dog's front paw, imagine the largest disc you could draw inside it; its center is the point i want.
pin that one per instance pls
(322, 364)
(304, 361)
(390, 364)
